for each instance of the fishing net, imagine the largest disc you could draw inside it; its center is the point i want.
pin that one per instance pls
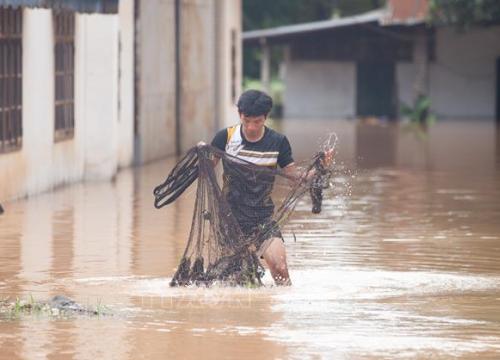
(226, 232)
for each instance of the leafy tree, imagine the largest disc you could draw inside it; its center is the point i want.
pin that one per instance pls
(464, 13)
(261, 14)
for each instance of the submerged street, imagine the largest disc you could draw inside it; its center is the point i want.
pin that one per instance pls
(403, 261)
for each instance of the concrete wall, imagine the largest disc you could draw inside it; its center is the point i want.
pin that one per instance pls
(126, 83)
(96, 82)
(155, 50)
(41, 164)
(207, 67)
(198, 55)
(320, 89)
(462, 80)
(205, 73)
(229, 18)
(111, 53)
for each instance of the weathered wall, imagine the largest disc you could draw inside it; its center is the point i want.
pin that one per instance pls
(126, 83)
(17, 166)
(111, 53)
(462, 79)
(320, 89)
(96, 82)
(210, 34)
(197, 71)
(42, 164)
(206, 73)
(155, 41)
(229, 19)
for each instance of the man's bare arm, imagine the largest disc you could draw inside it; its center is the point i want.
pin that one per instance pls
(293, 171)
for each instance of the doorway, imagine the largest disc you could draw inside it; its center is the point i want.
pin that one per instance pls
(375, 89)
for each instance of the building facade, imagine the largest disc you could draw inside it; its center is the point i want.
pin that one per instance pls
(89, 87)
(367, 65)
(461, 81)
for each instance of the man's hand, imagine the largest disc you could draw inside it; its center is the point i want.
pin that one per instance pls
(252, 248)
(328, 159)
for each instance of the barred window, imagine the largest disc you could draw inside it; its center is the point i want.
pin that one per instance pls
(64, 39)
(11, 70)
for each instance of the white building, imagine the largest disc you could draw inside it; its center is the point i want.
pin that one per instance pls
(89, 87)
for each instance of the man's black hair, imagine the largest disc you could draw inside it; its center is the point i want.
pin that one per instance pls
(254, 103)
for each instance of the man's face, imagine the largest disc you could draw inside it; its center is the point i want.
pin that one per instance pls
(253, 125)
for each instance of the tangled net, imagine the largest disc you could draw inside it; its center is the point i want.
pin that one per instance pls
(221, 248)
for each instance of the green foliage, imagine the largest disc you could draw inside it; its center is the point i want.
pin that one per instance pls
(100, 308)
(277, 89)
(419, 116)
(262, 14)
(419, 113)
(251, 61)
(464, 13)
(17, 306)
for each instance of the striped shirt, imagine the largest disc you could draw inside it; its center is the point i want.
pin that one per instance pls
(273, 149)
(249, 194)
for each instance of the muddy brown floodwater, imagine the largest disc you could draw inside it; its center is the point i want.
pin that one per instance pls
(403, 261)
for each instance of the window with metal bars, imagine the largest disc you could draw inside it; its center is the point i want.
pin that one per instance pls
(64, 40)
(11, 76)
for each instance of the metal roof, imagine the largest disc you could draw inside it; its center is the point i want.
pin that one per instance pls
(372, 16)
(391, 15)
(85, 6)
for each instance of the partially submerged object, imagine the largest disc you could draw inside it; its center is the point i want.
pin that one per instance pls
(59, 305)
(67, 305)
(218, 248)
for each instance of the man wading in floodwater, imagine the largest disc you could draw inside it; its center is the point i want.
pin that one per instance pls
(252, 141)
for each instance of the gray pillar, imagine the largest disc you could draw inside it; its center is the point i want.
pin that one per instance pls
(265, 66)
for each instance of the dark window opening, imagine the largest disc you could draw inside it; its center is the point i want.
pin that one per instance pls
(376, 90)
(64, 40)
(11, 75)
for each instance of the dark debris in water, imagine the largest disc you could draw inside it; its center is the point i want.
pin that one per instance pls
(241, 269)
(58, 306)
(319, 182)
